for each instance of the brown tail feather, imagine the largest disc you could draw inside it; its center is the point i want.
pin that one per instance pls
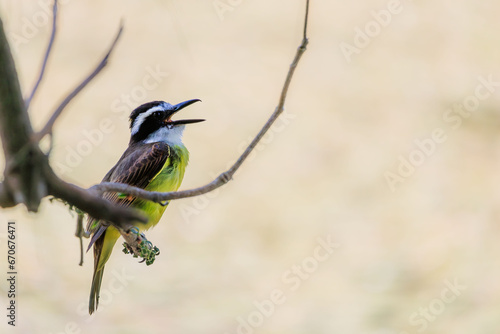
(97, 277)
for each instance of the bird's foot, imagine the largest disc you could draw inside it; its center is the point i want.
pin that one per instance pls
(128, 249)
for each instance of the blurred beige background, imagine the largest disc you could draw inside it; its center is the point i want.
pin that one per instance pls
(420, 256)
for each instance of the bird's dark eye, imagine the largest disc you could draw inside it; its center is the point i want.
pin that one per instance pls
(157, 114)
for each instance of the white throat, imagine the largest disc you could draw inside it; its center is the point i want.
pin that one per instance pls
(171, 136)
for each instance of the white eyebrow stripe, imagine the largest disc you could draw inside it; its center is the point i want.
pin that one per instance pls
(142, 117)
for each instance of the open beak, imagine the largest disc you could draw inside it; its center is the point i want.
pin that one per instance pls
(178, 107)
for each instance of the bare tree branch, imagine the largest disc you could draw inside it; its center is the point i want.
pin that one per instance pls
(14, 120)
(227, 175)
(95, 206)
(120, 217)
(22, 183)
(48, 127)
(28, 176)
(5, 200)
(47, 54)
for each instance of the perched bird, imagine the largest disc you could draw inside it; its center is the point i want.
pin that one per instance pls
(155, 160)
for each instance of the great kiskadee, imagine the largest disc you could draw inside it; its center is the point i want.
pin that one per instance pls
(155, 160)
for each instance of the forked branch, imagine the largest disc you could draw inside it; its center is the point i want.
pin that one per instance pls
(47, 129)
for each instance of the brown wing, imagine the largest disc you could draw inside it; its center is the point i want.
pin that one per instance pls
(138, 165)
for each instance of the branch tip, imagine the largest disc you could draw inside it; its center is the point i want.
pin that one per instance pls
(50, 123)
(47, 54)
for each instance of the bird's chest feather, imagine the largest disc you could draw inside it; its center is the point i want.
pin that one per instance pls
(168, 179)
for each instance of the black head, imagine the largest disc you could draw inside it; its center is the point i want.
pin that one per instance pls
(150, 117)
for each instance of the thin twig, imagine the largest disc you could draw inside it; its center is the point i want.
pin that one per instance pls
(79, 234)
(48, 127)
(226, 176)
(47, 54)
(305, 20)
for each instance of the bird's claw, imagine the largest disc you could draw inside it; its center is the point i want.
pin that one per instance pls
(128, 250)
